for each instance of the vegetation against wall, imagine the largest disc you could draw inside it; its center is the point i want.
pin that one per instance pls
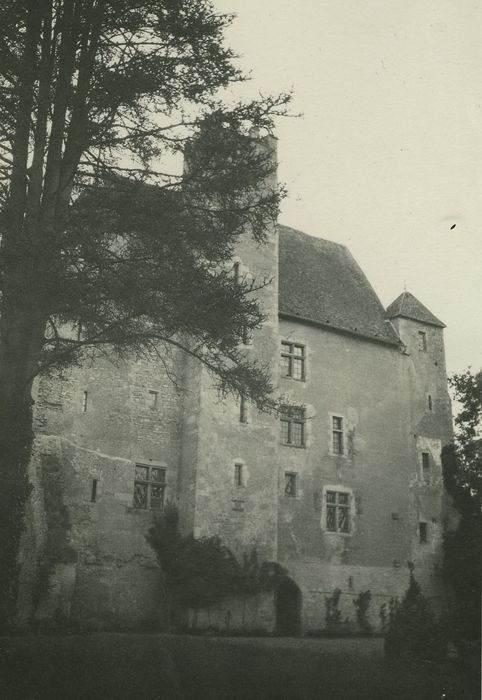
(462, 473)
(99, 99)
(56, 548)
(412, 629)
(198, 573)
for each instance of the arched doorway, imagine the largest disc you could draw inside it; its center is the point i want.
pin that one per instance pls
(288, 608)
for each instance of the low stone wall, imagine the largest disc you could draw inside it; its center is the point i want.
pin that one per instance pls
(256, 613)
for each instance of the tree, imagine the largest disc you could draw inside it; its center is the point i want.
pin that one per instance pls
(462, 472)
(105, 248)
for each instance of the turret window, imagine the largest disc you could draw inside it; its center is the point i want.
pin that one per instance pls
(422, 341)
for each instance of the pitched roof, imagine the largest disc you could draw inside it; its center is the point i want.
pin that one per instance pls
(319, 281)
(408, 306)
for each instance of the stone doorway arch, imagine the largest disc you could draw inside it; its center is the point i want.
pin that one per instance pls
(288, 608)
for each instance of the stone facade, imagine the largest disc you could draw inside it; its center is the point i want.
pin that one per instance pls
(355, 494)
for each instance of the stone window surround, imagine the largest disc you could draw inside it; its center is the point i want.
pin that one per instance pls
(291, 354)
(151, 464)
(331, 430)
(290, 420)
(338, 488)
(295, 480)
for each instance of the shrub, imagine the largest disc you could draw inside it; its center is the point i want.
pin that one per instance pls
(362, 603)
(412, 629)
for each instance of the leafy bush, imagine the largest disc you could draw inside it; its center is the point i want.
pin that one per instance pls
(412, 629)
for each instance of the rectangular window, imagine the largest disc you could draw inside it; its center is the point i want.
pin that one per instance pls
(338, 441)
(243, 410)
(93, 493)
(85, 399)
(290, 484)
(293, 360)
(238, 475)
(422, 341)
(338, 511)
(293, 426)
(426, 467)
(422, 533)
(149, 487)
(153, 397)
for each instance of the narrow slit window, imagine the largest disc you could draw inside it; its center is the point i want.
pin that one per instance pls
(426, 467)
(338, 441)
(85, 400)
(243, 410)
(238, 475)
(422, 532)
(93, 493)
(429, 401)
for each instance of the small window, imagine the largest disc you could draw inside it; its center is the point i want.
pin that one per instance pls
(426, 467)
(338, 436)
(153, 399)
(429, 402)
(93, 493)
(337, 511)
(149, 487)
(291, 484)
(293, 360)
(422, 532)
(293, 426)
(238, 475)
(243, 410)
(85, 399)
(422, 341)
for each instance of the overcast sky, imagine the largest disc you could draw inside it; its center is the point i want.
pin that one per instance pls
(387, 155)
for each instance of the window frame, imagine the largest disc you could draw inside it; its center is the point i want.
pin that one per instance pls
(422, 341)
(336, 504)
(239, 475)
(149, 483)
(339, 434)
(153, 399)
(293, 478)
(291, 356)
(287, 418)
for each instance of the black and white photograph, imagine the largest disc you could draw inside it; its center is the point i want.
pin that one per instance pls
(240, 349)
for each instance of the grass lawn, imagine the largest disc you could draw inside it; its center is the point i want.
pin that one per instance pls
(147, 667)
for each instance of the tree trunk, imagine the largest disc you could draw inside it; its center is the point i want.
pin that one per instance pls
(21, 337)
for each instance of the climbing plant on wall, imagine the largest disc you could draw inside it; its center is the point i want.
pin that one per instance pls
(200, 572)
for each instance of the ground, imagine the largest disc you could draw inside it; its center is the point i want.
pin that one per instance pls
(173, 667)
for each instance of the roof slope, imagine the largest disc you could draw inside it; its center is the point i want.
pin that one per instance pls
(408, 306)
(320, 281)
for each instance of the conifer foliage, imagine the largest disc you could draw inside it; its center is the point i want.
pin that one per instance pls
(104, 246)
